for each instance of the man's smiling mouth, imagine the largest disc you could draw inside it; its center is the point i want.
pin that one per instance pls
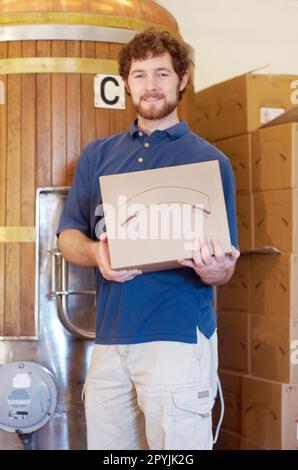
(152, 98)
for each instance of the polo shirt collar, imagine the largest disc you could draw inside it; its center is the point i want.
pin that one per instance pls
(174, 132)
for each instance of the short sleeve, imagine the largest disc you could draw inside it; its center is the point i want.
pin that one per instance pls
(76, 212)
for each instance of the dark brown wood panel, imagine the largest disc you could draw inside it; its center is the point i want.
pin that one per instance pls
(119, 119)
(3, 114)
(43, 121)
(58, 119)
(87, 97)
(13, 195)
(102, 114)
(73, 113)
(28, 132)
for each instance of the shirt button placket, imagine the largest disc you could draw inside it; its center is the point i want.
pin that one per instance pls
(146, 145)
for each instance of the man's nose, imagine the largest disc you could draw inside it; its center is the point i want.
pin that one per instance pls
(151, 83)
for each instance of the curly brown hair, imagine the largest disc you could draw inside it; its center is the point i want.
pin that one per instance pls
(156, 43)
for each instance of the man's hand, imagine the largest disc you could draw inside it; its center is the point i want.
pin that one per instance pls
(102, 257)
(213, 270)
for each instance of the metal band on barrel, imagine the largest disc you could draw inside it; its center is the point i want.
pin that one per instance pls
(16, 234)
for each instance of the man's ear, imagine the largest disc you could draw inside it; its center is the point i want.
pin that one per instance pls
(127, 87)
(184, 80)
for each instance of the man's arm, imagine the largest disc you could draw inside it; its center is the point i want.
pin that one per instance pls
(81, 250)
(77, 248)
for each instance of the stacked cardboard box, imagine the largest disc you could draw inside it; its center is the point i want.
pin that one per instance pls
(234, 312)
(239, 151)
(258, 308)
(242, 104)
(226, 115)
(259, 414)
(275, 183)
(258, 353)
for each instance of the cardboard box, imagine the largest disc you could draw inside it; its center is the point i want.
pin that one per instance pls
(245, 214)
(270, 413)
(238, 150)
(204, 113)
(227, 441)
(235, 296)
(276, 219)
(150, 214)
(242, 104)
(273, 341)
(231, 387)
(233, 342)
(275, 157)
(274, 285)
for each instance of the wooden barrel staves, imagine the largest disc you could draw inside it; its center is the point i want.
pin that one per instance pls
(50, 53)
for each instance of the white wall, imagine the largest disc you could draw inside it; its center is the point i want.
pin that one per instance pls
(231, 37)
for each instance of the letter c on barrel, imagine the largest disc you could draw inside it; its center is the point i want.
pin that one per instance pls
(109, 92)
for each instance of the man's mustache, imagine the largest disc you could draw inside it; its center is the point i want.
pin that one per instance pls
(152, 95)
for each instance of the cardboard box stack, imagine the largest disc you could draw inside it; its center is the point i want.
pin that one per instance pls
(258, 308)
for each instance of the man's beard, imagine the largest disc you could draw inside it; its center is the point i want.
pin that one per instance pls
(155, 111)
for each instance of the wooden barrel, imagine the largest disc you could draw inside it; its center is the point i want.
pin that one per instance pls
(50, 52)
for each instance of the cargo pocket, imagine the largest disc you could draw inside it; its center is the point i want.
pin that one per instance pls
(192, 417)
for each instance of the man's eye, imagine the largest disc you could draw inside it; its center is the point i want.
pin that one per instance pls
(163, 74)
(139, 75)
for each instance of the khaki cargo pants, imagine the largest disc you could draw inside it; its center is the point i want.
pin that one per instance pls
(156, 395)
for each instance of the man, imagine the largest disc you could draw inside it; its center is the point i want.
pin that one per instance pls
(152, 379)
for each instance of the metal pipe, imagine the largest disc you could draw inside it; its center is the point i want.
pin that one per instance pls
(63, 308)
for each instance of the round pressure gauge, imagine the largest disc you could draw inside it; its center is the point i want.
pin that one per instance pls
(28, 397)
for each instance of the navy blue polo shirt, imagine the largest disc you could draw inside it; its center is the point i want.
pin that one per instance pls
(164, 305)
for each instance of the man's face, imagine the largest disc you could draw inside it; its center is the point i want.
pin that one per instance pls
(154, 86)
